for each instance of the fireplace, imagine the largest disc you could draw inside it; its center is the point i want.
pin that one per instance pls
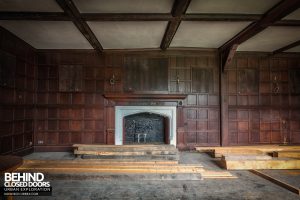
(145, 125)
(146, 128)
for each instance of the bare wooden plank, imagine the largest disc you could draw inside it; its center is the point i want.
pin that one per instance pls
(286, 154)
(125, 153)
(260, 164)
(65, 168)
(103, 162)
(276, 181)
(217, 174)
(246, 157)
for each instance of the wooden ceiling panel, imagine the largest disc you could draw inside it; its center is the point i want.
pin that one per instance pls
(48, 34)
(205, 34)
(124, 6)
(271, 39)
(30, 5)
(231, 6)
(126, 35)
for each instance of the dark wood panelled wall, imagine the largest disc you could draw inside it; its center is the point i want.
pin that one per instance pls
(51, 99)
(82, 114)
(263, 100)
(17, 90)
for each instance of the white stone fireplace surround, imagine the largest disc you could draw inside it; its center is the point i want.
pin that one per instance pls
(123, 111)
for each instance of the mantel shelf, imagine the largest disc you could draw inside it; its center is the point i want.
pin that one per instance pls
(116, 96)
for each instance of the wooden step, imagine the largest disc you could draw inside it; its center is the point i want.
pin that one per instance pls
(104, 161)
(286, 154)
(260, 164)
(136, 157)
(246, 150)
(125, 153)
(59, 166)
(123, 147)
(138, 152)
(246, 157)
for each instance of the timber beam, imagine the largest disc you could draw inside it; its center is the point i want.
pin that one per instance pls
(275, 14)
(70, 9)
(292, 45)
(178, 10)
(279, 11)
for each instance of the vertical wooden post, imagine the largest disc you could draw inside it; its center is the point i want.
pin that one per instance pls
(223, 104)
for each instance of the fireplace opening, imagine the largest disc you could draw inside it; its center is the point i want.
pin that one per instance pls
(146, 128)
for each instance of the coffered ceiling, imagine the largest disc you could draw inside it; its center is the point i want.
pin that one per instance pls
(252, 25)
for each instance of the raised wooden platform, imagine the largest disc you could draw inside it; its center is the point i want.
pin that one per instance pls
(287, 154)
(138, 152)
(118, 167)
(247, 150)
(256, 157)
(247, 164)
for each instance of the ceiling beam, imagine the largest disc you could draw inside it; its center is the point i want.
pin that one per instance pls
(70, 9)
(221, 17)
(127, 16)
(60, 16)
(37, 16)
(179, 8)
(286, 22)
(276, 13)
(287, 47)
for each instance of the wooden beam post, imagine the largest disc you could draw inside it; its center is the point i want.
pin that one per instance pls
(70, 9)
(178, 10)
(227, 56)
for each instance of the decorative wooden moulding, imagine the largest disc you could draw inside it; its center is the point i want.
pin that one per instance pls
(146, 96)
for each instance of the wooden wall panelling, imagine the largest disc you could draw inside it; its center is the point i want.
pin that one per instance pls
(17, 86)
(201, 111)
(180, 76)
(73, 113)
(269, 104)
(145, 74)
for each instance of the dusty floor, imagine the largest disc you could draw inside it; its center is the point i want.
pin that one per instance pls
(245, 186)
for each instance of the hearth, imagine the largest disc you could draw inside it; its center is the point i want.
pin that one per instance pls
(145, 128)
(145, 125)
